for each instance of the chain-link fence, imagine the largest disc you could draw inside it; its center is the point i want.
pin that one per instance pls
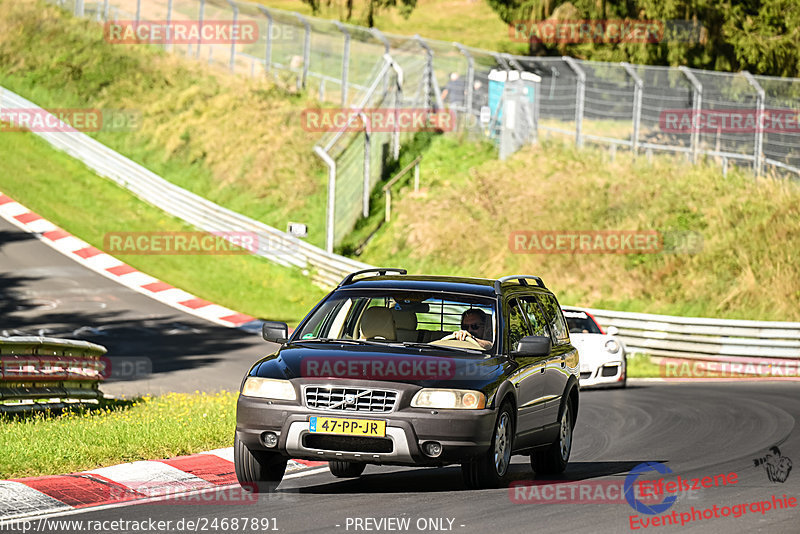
(737, 119)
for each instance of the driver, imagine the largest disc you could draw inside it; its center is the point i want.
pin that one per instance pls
(474, 324)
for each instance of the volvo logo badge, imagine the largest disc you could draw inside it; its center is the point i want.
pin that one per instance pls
(349, 399)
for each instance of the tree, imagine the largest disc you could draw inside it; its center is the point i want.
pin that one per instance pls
(373, 7)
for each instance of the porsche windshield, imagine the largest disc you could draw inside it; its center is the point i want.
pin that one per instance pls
(427, 318)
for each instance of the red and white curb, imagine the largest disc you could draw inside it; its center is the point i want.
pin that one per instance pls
(112, 268)
(194, 479)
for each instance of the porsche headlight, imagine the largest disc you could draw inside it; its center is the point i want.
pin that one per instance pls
(268, 388)
(459, 399)
(612, 346)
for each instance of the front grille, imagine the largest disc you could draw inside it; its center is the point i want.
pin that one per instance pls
(330, 442)
(363, 400)
(609, 371)
(586, 374)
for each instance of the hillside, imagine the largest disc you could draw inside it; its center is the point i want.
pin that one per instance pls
(468, 206)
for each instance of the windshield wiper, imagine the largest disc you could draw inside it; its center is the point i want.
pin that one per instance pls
(447, 347)
(338, 341)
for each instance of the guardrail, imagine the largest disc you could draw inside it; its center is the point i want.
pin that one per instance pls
(43, 368)
(705, 339)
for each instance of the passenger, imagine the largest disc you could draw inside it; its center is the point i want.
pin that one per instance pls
(474, 323)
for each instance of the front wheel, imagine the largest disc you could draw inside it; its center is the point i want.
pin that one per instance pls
(257, 471)
(491, 469)
(345, 469)
(553, 459)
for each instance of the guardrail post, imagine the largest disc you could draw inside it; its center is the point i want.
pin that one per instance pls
(233, 34)
(138, 11)
(697, 107)
(79, 8)
(105, 10)
(306, 48)
(268, 51)
(638, 88)
(758, 150)
(200, 15)
(470, 80)
(579, 98)
(416, 177)
(331, 209)
(345, 60)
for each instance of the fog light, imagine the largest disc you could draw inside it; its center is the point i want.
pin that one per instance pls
(269, 439)
(432, 448)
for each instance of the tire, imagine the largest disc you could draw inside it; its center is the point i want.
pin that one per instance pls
(491, 469)
(554, 458)
(345, 469)
(258, 471)
(624, 382)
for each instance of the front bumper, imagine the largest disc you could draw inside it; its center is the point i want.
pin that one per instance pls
(609, 373)
(463, 434)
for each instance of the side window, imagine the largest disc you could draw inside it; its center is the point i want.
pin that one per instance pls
(535, 316)
(517, 326)
(555, 318)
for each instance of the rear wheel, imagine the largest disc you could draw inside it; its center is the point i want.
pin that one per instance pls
(491, 469)
(554, 458)
(344, 469)
(258, 471)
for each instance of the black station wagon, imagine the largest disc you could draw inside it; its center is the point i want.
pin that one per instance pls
(391, 369)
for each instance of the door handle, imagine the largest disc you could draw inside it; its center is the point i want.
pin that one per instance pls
(543, 367)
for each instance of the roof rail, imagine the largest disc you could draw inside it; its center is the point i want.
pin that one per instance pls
(380, 270)
(522, 278)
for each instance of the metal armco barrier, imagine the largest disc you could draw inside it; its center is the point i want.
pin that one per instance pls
(46, 368)
(706, 339)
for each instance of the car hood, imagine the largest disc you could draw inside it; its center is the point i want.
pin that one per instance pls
(426, 367)
(591, 348)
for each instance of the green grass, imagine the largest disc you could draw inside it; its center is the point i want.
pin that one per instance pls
(469, 22)
(469, 203)
(64, 191)
(642, 366)
(116, 432)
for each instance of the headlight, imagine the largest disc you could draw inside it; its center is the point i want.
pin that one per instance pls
(268, 388)
(612, 346)
(460, 399)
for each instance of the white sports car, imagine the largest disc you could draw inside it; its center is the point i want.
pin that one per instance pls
(602, 355)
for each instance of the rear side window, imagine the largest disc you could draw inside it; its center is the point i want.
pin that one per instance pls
(554, 317)
(536, 318)
(517, 325)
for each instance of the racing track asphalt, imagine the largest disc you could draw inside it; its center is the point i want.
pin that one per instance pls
(697, 430)
(43, 292)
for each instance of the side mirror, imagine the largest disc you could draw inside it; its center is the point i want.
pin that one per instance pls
(533, 346)
(612, 330)
(275, 331)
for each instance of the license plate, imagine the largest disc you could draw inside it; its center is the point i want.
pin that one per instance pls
(349, 427)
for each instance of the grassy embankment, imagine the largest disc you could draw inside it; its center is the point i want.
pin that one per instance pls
(469, 203)
(216, 135)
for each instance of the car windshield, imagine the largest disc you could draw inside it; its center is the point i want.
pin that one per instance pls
(417, 318)
(580, 323)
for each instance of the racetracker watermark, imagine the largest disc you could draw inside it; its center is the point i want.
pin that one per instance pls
(730, 121)
(57, 368)
(181, 32)
(406, 368)
(181, 243)
(377, 120)
(161, 493)
(69, 120)
(582, 491)
(768, 369)
(604, 242)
